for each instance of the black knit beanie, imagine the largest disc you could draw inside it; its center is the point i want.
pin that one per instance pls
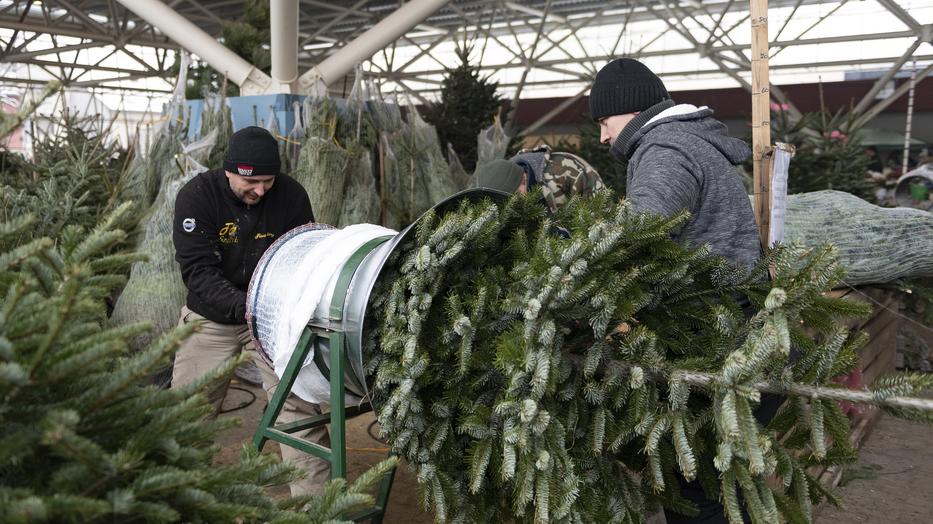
(253, 151)
(625, 86)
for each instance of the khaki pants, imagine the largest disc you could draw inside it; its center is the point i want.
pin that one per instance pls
(214, 343)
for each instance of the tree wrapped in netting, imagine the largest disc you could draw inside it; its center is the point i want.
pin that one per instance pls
(874, 244)
(83, 439)
(570, 367)
(147, 171)
(417, 175)
(216, 118)
(491, 143)
(155, 291)
(334, 164)
(829, 153)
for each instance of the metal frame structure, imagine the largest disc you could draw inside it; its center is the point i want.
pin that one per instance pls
(75, 40)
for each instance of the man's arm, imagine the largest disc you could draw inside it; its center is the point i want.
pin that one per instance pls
(664, 182)
(197, 250)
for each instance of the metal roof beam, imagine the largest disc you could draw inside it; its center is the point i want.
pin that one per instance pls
(17, 57)
(901, 15)
(899, 92)
(881, 82)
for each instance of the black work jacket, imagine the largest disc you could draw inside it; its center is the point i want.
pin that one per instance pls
(219, 239)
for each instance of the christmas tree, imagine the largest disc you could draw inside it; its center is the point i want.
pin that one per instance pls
(468, 105)
(81, 438)
(829, 152)
(569, 368)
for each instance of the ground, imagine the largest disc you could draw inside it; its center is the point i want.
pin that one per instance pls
(892, 481)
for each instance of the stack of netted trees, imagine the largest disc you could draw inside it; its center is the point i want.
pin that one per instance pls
(361, 161)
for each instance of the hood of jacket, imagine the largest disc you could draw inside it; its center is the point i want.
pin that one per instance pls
(695, 122)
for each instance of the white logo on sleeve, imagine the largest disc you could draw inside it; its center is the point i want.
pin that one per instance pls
(188, 225)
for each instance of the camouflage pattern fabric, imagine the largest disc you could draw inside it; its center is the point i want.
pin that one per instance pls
(565, 175)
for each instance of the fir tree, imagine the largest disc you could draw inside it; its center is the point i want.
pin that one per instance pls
(563, 368)
(829, 152)
(468, 104)
(75, 176)
(81, 438)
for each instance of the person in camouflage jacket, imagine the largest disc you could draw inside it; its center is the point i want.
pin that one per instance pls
(560, 175)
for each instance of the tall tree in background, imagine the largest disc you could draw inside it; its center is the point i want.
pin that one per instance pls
(244, 37)
(468, 104)
(829, 153)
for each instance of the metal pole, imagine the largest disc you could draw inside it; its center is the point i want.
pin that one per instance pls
(364, 46)
(910, 117)
(194, 39)
(283, 19)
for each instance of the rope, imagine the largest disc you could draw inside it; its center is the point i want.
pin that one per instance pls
(886, 308)
(243, 404)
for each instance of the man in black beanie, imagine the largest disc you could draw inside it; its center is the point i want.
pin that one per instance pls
(679, 158)
(224, 221)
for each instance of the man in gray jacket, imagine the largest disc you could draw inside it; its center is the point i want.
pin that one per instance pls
(680, 158)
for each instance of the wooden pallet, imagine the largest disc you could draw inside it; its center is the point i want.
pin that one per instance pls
(876, 359)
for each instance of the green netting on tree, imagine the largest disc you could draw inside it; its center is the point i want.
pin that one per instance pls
(386, 115)
(334, 163)
(458, 174)
(405, 192)
(417, 175)
(147, 171)
(874, 244)
(216, 116)
(562, 368)
(492, 143)
(155, 292)
(322, 163)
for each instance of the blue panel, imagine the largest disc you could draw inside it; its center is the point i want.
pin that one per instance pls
(251, 111)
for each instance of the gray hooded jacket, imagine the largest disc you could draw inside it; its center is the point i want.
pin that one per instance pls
(683, 158)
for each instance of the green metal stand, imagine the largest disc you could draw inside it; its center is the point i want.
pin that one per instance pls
(336, 455)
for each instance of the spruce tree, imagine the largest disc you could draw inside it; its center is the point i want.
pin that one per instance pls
(75, 176)
(565, 368)
(82, 439)
(468, 104)
(829, 152)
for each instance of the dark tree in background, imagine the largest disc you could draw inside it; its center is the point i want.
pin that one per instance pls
(829, 153)
(245, 37)
(468, 104)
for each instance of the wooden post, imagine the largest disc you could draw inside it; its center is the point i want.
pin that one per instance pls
(761, 119)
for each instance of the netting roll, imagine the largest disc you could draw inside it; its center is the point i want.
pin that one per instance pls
(293, 285)
(874, 244)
